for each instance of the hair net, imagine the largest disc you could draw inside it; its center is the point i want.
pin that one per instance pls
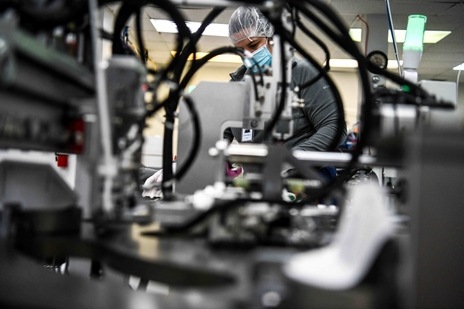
(246, 22)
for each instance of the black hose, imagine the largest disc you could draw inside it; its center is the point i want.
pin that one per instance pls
(138, 30)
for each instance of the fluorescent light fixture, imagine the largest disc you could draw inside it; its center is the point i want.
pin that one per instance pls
(356, 34)
(343, 63)
(212, 29)
(430, 36)
(229, 58)
(351, 63)
(459, 67)
(334, 63)
(224, 58)
(216, 29)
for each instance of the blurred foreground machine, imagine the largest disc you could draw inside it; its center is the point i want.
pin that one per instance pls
(222, 242)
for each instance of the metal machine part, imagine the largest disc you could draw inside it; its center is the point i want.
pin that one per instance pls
(210, 106)
(257, 224)
(124, 79)
(432, 269)
(29, 66)
(34, 186)
(109, 183)
(43, 94)
(49, 103)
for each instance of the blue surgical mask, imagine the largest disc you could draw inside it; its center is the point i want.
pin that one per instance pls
(262, 60)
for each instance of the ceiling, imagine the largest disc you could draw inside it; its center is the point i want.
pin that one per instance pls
(437, 59)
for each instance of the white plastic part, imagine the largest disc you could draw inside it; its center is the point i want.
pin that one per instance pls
(365, 226)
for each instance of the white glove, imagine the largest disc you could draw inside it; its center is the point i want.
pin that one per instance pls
(152, 186)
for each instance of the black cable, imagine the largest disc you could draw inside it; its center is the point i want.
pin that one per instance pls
(335, 92)
(48, 14)
(367, 105)
(253, 76)
(267, 132)
(200, 62)
(341, 120)
(138, 30)
(331, 186)
(188, 49)
(197, 64)
(191, 45)
(324, 48)
(175, 94)
(172, 102)
(344, 40)
(283, 94)
(167, 148)
(126, 10)
(130, 7)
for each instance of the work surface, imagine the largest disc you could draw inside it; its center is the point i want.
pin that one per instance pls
(198, 275)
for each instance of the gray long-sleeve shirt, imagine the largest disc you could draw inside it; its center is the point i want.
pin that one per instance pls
(315, 125)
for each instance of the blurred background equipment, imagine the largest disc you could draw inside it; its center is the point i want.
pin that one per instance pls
(95, 96)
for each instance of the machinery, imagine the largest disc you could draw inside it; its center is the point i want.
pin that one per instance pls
(216, 241)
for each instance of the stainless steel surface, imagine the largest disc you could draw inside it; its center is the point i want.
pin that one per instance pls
(218, 106)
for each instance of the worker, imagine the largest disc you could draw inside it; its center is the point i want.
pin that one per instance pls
(315, 124)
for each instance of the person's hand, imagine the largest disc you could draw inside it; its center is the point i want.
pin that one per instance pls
(152, 186)
(233, 170)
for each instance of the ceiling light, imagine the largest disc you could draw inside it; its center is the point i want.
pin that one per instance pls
(216, 29)
(356, 34)
(430, 36)
(334, 63)
(224, 58)
(229, 58)
(351, 63)
(343, 63)
(459, 67)
(212, 29)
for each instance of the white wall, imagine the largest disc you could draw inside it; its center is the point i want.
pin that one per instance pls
(348, 86)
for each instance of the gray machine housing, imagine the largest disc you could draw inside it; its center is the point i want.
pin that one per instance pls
(219, 106)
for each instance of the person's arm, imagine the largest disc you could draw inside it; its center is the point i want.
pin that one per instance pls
(320, 108)
(145, 172)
